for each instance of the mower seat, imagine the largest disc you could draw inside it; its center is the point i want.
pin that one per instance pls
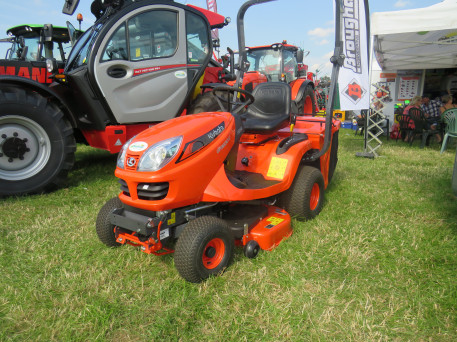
(270, 110)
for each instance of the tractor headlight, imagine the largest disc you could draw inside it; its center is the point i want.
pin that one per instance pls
(122, 153)
(158, 155)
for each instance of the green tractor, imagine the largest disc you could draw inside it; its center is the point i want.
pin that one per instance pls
(31, 45)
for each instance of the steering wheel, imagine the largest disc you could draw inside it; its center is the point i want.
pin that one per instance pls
(230, 100)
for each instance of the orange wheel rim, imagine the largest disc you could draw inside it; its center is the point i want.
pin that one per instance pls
(213, 253)
(315, 195)
(308, 105)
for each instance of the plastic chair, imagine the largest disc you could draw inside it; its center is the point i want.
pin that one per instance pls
(420, 126)
(449, 118)
(404, 129)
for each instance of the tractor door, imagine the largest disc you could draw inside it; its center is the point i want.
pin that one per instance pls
(142, 66)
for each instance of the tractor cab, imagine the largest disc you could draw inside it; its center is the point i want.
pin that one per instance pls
(35, 43)
(278, 62)
(142, 61)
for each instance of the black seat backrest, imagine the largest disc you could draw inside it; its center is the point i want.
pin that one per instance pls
(417, 115)
(270, 109)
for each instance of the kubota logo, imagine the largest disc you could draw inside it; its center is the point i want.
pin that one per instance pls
(354, 91)
(131, 162)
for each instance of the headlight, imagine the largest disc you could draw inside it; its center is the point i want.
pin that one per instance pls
(122, 153)
(158, 155)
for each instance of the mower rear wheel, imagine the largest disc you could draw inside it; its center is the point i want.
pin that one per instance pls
(305, 198)
(204, 248)
(105, 230)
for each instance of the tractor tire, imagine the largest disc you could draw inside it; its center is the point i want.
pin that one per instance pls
(333, 156)
(205, 102)
(305, 198)
(103, 227)
(204, 248)
(37, 145)
(307, 105)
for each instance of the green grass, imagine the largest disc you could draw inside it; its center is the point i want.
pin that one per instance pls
(378, 264)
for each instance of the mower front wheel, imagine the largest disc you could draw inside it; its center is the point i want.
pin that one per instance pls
(204, 248)
(104, 228)
(305, 198)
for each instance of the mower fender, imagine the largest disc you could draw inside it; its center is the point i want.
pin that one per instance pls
(42, 89)
(298, 88)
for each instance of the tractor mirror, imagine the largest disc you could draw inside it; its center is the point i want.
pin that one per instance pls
(299, 56)
(47, 32)
(70, 6)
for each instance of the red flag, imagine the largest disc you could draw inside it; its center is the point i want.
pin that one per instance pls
(211, 5)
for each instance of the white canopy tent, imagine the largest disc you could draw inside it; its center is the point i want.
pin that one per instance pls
(423, 38)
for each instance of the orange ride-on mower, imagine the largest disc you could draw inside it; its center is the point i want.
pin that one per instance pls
(199, 185)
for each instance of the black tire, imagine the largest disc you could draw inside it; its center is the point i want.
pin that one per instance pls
(333, 156)
(204, 248)
(37, 145)
(307, 105)
(103, 227)
(305, 198)
(205, 102)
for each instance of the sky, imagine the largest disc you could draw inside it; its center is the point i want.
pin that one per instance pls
(308, 24)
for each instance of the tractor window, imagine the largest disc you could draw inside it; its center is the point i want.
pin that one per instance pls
(266, 61)
(80, 54)
(290, 66)
(32, 51)
(117, 46)
(197, 39)
(153, 34)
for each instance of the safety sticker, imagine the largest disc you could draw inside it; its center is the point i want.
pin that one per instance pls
(164, 234)
(118, 142)
(172, 219)
(275, 220)
(277, 168)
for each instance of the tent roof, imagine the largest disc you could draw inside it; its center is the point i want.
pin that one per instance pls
(423, 38)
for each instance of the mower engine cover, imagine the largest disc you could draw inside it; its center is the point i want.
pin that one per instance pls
(181, 154)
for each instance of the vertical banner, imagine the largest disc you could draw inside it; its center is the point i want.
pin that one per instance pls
(354, 78)
(211, 5)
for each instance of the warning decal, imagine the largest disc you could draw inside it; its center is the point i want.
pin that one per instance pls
(277, 168)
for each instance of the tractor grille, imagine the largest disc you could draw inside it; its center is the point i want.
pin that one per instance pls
(152, 191)
(147, 191)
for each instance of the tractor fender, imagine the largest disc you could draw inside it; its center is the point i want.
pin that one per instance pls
(43, 90)
(298, 88)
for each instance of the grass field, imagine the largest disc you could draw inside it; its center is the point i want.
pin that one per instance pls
(378, 264)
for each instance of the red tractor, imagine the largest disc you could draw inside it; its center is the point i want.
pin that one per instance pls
(142, 62)
(213, 180)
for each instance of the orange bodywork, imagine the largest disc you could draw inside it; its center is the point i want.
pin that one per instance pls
(197, 174)
(271, 230)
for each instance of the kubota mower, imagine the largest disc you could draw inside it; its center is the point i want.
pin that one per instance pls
(199, 185)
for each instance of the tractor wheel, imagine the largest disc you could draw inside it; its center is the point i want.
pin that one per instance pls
(37, 145)
(205, 102)
(305, 197)
(307, 104)
(105, 230)
(204, 248)
(333, 156)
